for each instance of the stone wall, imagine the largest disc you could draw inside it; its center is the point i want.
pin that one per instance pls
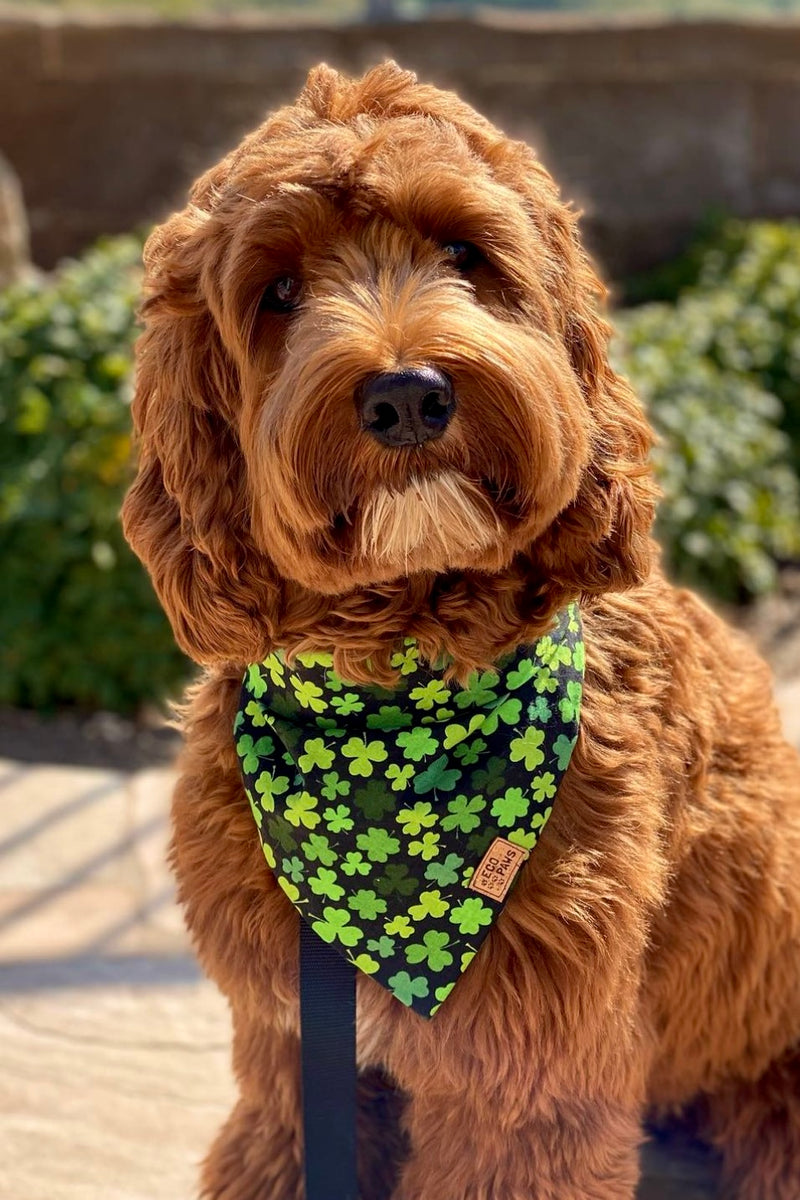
(648, 125)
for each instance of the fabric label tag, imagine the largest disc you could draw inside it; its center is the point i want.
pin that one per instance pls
(498, 868)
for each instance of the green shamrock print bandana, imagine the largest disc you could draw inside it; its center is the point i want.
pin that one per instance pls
(397, 821)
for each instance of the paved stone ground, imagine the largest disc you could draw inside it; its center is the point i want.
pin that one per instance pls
(113, 1051)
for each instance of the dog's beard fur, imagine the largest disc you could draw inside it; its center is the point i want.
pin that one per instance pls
(434, 523)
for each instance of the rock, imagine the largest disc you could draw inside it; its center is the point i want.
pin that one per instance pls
(14, 243)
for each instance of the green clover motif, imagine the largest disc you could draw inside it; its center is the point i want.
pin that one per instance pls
(527, 748)
(280, 832)
(295, 868)
(540, 819)
(428, 695)
(250, 752)
(389, 718)
(363, 755)
(509, 807)
(329, 726)
(338, 819)
(276, 669)
(365, 963)
(269, 787)
(570, 705)
(347, 704)
(544, 786)
(579, 656)
(446, 872)
(456, 733)
(437, 777)
(522, 673)
(256, 713)
(507, 710)
(334, 786)
(308, 694)
(395, 878)
(490, 780)
(427, 847)
(406, 660)
(405, 988)
(336, 927)
(316, 754)
(288, 887)
(354, 863)
(400, 776)
(374, 799)
(315, 658)
(323, 883)
(469, 753)
(431, 951)
(552, 654)
(401, 926)
(367, 904)
(462, 813)
(384, 946)
(415, 819)
(539, 710)
(256, 810)
(471, 915)
(479, 690)
(430, 904)
(318, 849)
(300, 810)
(377, 844)
(545, 680)
(442, 993)
(269, 855)
(480, 841)
(417, 743)
(563, 747)
(256, 684)
(525, 838)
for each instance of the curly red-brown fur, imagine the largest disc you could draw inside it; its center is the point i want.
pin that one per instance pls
(649, 957)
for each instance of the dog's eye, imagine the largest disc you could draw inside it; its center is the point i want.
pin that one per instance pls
(283, 294)
(462, 255)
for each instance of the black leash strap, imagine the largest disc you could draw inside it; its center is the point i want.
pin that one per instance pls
(328, 1048)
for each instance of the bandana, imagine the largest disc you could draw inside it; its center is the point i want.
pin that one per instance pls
(397, 821)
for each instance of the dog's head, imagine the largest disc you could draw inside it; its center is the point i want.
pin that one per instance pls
(371, 353)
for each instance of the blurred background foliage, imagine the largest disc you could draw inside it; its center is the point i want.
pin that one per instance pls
(79, 622)
(712, 344)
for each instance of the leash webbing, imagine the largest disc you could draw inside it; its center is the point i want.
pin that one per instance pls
(329, 1072)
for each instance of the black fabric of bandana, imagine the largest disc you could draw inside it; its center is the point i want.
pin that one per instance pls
(397, 821)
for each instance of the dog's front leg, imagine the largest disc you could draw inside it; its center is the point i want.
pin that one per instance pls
(463, 1149)
(257, 1155)
(519, 1109)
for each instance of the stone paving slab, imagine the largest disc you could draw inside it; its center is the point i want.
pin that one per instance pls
(114, 1052)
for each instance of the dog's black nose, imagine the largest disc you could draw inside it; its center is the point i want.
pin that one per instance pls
(406, 408)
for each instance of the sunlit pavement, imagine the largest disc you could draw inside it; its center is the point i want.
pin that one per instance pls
(113, 1050)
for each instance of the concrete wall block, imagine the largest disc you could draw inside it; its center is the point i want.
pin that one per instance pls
(645, 125)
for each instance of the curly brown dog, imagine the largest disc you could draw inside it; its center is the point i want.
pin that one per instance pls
(649, 957)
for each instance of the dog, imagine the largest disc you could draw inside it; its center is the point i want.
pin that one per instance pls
(375, 409)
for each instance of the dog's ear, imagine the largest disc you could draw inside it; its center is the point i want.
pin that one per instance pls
(602, 541)
(186, 514)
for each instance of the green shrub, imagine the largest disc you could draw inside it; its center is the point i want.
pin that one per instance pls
(731, 504)
(741, 280)
(79, 622)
